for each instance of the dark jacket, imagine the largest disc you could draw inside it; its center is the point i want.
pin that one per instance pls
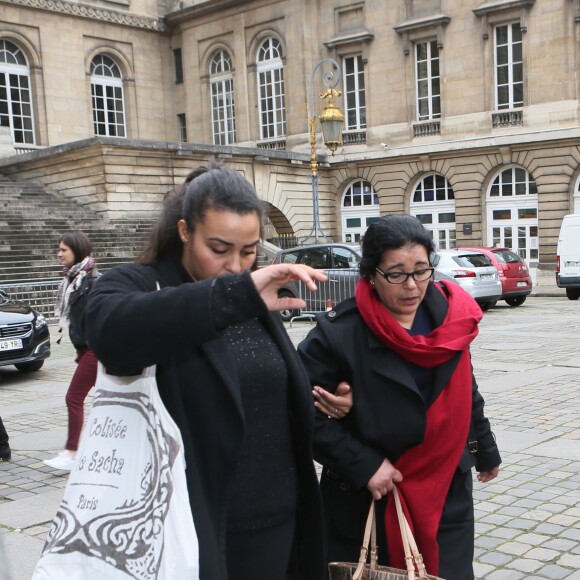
(389, 413)
(133, 326)
(78, 304)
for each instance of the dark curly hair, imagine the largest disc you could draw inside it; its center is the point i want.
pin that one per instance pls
(388, 233)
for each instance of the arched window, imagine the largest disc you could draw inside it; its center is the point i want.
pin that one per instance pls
(107, 96)
(15, 93)
(222, 99)
(512, 214)
(433, 203)
(576, 204)
(271, 105)
(360, 207)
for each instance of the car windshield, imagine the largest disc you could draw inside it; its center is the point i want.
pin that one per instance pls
(290, 257)
(507, 257)
(315, 257)
(344, 258)
(472, 260)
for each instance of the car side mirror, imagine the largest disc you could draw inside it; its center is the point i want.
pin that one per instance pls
(434, 259)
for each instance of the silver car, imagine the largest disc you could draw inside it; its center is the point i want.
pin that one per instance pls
(473, 271)
(340, 263)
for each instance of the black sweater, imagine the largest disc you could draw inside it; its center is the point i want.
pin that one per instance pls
(264, 493)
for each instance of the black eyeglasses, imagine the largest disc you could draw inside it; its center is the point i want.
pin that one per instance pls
(401, 277)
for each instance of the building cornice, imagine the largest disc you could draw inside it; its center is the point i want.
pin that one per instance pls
(488, 7)
(429, 21)
(469, 146)
(175, 147)
(353, 37)
(188, 11)
(416, 26)
(92, 13)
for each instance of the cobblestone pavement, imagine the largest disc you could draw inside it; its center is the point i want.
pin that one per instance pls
(527, 363)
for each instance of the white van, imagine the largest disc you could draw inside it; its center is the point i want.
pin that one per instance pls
(568, 256)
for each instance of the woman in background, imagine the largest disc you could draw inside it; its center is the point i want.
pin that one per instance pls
(79, 274)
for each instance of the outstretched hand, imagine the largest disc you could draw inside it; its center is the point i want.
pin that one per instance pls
(270, 279)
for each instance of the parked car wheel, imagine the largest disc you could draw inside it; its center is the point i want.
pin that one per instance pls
(573, 293)
(30, 366)
(516, 300)
(487, 305)
(287, 315)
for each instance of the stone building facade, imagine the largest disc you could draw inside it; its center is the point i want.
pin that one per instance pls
(462, 112)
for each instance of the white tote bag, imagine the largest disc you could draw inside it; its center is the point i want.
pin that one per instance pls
(125, 512)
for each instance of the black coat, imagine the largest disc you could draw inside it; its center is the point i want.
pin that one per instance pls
(78, 304)
(133, 326)
(389, 413)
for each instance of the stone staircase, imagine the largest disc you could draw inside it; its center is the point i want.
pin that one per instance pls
(31, 222)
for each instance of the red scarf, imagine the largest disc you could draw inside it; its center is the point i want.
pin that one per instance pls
(428, 468)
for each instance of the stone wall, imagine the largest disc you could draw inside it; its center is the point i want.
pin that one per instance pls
(6, 145)
(128, 179)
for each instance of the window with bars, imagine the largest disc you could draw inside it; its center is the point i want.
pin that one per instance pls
(222, 99)
(271, 104)
(353, 75)
(15, 94)
(428, 81)
(107, 97)
(509, 75)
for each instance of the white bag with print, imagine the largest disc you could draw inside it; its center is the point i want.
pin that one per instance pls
(125, 512)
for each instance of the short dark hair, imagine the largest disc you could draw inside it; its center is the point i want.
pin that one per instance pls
(212, 187)
(79, 243)
(388, 233)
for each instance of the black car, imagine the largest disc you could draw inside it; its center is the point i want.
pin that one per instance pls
(339, 261)
(24, 335)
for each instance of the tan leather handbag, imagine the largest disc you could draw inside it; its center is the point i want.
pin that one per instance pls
(368, 568)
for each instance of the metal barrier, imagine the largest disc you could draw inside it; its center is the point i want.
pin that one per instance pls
(40, 294)
(340, 285)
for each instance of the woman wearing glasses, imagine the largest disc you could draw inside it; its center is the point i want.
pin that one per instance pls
(402, 343)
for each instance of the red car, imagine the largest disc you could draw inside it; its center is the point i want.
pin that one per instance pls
(516, 281)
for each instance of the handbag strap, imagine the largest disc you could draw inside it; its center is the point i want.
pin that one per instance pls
(413, 558)
(370, 537)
